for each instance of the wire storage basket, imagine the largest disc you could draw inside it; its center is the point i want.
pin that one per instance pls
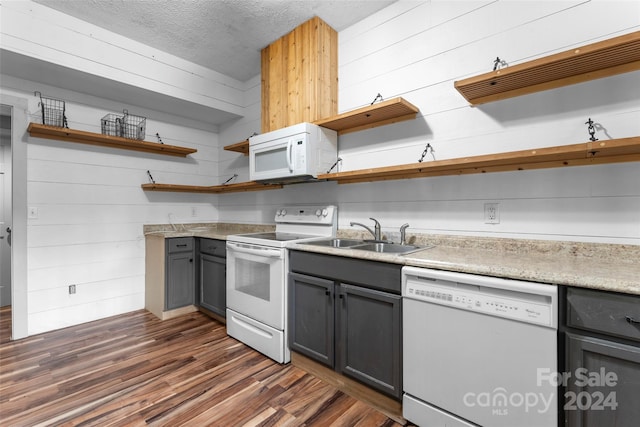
(126, 126)
(53, 111)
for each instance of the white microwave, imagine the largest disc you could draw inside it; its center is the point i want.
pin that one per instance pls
(295, 153)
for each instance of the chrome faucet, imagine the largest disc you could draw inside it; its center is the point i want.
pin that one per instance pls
(376, 233)
(403, 234)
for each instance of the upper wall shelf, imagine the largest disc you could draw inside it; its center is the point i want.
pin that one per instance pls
(383, 113)
(72, 135)
(239, 147)
(213, 189)
(588, 153)
(602, 59)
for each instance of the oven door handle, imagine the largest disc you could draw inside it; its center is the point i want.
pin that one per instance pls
(269, 253)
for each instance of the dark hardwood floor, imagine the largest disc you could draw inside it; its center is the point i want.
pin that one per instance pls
(133, 370)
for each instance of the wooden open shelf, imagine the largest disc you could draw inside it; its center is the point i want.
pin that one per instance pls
(383, 113)
(72, 135)
(239, 147)
(589, 153)
(602, 59)
(213, 189)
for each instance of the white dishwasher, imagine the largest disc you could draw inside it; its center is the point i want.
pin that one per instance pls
(478, 350)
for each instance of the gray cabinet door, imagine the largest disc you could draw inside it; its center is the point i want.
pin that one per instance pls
(213, 285)
(311, 317)
(370, 338)
(180, 289)
(589, 402)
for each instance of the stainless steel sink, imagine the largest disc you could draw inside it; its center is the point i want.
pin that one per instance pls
(389, 248)
(363, 245)
(335, 243)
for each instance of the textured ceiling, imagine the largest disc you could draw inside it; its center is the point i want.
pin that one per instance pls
(222, 35)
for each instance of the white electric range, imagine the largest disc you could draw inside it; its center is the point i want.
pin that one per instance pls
(257, 268)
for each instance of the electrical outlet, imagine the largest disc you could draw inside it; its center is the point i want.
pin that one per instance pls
(492, 213)
(33, 213)
(72, 289)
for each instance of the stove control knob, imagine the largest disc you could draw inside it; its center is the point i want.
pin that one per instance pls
(325, 212)
(283, 212)
(278, 212)
(318, 213)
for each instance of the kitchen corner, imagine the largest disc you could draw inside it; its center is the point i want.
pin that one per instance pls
(374, 279)
(157, 255)
(600, 266)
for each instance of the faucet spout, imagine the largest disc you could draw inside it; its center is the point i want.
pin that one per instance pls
(376, 232)
(365, 227)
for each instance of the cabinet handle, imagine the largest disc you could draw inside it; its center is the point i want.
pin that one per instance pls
(632, 321)
(190, 259)
(182, 246)
(327, 293)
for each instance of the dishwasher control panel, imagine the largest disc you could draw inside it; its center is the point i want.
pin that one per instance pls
(516, 305)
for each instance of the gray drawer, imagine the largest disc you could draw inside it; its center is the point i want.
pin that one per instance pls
(179, 244)
(213, 247)
(604, 312)
(369, 274)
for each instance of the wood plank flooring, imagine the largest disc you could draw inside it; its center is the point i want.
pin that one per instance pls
(134, 370)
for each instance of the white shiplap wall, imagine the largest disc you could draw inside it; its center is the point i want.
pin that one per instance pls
(417, 50)
(91, 209)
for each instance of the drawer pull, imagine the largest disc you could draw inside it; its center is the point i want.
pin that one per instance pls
(182, 246)
(632, 321)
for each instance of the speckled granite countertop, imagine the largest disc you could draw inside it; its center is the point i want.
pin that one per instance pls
(588, 265)
(209, 230)
(607, 267)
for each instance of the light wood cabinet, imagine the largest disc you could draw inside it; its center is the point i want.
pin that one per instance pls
(300, 76)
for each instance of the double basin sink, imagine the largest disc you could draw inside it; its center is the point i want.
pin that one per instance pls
(367, 245)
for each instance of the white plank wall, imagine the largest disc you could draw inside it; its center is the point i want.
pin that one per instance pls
(417, 50)
(91, 209)
(35, 30)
